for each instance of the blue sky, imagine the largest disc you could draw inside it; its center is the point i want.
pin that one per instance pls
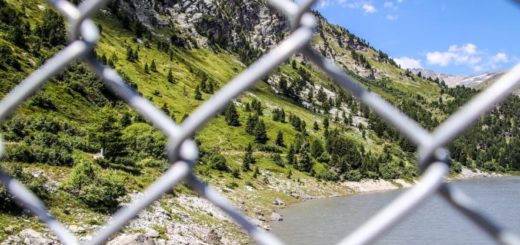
(449, 36)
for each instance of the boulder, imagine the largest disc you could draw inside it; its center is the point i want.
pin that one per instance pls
(278, 202)
(276, 217)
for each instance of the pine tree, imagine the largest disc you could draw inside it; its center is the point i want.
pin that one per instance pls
(256, 172)
(136, 55)
(322, 96)
(198, 95)
(316, 148)
(291, 158)
(326, 123)
(231, 115)
(257, 107)
(108, 134)
(153, 66)
(146, 71)
(130, 55)
(279, 139)
(251, 124)
(316, 127)
(248, 158)
(278, 160)
(204, 86)
(260, 133)
(305, 163)
(170, 76)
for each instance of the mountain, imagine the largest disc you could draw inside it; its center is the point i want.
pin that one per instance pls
(478, 81)
(474, 81)
(450, 80)
(295, 135)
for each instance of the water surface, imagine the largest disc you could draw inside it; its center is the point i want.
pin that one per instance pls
(327, 221)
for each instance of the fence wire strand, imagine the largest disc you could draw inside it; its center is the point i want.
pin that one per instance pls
(183, 153)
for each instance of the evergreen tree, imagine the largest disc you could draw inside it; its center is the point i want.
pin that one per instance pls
(130, 54)
(305, 163)
(248, 158)
(326, 123)
(322, 96)
(252, 120)
(279, 139)
(204, 85)
(198, 95)
(260, 132)
(278, 160)
(291, 158)
(136, 55)
(316, 148)
(109, 135)
(231, 115)
(153, 66)
(257, 107)
(146, 70)
(170, 76)
(282, 84)
(315, 126)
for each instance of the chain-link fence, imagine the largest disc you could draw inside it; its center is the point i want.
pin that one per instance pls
(182, 151)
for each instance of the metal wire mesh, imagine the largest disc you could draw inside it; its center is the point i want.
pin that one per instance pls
(182, 151)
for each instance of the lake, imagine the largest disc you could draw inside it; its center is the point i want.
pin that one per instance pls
(327, 221)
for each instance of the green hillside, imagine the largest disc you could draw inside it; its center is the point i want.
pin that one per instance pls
(297, 125)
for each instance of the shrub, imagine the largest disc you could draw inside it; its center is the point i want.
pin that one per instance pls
(18, 153)
(353, 175)
(278, 160)
(7, 58)
(34, 183)
(52, 31)
(218, 162)
(100, 191)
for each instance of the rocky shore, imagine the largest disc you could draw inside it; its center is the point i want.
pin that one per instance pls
(187, 219)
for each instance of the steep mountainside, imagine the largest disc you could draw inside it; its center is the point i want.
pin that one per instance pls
(296, 135)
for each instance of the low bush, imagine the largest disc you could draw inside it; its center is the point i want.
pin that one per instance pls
(34, 183)
(100, 190)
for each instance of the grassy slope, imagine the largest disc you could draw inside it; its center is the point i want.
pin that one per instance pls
(216, 136)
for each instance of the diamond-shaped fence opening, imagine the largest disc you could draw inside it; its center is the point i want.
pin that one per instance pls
(182, 151)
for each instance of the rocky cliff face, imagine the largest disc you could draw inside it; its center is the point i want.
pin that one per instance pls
(229, 24)
(249, 27)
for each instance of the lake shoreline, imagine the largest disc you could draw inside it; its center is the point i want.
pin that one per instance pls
(493, 192)
(370, 185)
(380, 185)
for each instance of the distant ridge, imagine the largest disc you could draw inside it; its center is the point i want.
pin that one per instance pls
(476, 81)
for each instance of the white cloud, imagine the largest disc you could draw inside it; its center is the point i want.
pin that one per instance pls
(500, 58)
(366, 5)
(408, 63)
(369, 8)
(392, 17)
(468, 55)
